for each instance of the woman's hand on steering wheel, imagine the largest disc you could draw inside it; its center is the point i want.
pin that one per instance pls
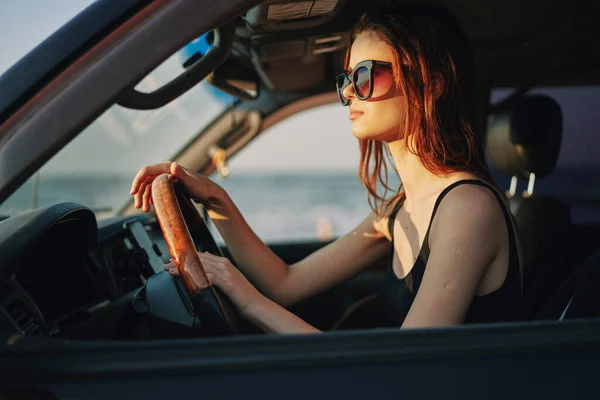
(229, 279)
(198, 187)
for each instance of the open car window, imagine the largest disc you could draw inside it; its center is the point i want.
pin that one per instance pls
(298, 181)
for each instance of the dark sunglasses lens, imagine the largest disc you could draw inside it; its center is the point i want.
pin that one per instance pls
(362, 81)
(342, 83)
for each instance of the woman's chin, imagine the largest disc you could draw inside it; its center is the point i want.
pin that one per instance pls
(363, 134)
(359, 132)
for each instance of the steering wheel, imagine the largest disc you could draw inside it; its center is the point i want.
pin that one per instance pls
(175, 212)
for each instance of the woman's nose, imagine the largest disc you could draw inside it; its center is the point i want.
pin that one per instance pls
(348, 92)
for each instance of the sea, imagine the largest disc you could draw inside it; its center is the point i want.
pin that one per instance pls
(284, 206)
(278, 206)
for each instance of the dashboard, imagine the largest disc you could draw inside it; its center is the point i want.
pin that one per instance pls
(58, 264)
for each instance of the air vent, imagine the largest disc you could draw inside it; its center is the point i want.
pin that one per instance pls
(21, 315)
(301, 9)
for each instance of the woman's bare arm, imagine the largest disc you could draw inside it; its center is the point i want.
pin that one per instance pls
(288, 284)
(465, 239)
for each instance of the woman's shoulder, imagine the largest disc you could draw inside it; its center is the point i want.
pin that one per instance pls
(470, 205)
(473, 195)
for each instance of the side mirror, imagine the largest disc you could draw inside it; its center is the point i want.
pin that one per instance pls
(236, 79)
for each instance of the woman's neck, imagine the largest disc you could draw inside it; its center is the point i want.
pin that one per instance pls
(417, 182)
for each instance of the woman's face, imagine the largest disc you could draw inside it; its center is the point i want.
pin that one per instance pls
(378, 118)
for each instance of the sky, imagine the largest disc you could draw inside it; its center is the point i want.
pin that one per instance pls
(123, 140)
(26, 23)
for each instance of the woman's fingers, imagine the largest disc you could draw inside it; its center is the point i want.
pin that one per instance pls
(212, 276)
(215, 267)
(207, 256)
(171, 268)
(223, 274)
(219, 278)
(169, 265)
(205, 261)
(219, 266)
(144, 177)
(175, 170)
(149, 170)
(147, 198)
(173, 271)
(145, 183)
(139, 195)
(196, 186)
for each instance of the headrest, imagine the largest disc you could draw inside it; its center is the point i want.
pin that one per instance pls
(526, 138)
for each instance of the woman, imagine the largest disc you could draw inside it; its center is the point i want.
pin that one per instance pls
(453, 252)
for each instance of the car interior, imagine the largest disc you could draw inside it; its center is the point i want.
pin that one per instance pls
(70, 275)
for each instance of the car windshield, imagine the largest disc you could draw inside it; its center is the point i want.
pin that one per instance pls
(96, 168)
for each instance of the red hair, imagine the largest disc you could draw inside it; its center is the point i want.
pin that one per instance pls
(431, 48)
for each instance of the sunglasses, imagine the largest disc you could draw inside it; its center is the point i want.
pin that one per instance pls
(361, 79)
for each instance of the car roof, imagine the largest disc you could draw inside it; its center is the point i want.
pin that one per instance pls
(516, 43)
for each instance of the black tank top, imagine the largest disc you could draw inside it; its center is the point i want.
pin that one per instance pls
(504, 304)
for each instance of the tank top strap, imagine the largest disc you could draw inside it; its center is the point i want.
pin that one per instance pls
(513, 253)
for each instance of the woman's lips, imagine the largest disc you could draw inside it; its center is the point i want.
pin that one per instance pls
(355, 114)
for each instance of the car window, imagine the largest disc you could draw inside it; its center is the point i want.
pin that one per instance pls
(299, 179)
(575, 179)
(96, 168)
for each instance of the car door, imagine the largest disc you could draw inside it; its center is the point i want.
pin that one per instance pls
(520, 361)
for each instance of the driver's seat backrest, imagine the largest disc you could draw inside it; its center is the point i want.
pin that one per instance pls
(524, 142)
